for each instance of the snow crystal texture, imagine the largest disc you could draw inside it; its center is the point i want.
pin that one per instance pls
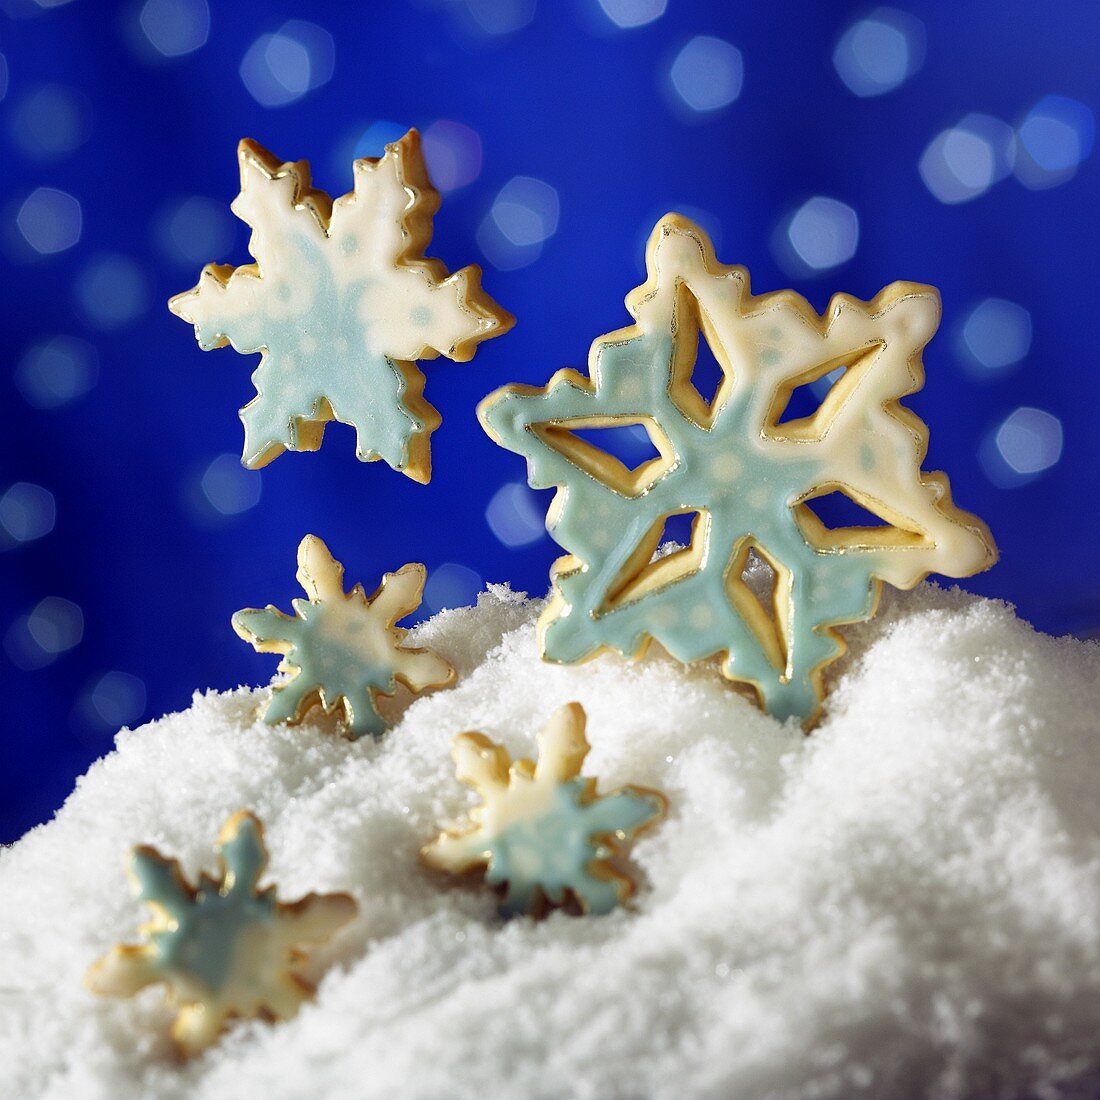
(905, 904)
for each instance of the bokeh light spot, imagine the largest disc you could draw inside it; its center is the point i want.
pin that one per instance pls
(997, 333)
(50, 220)
(500, 17)
(526, 211)
(451, 585)
(1028, 442)
(633, 13)
(998, 136)
(280, 68)
(27, 512)
(707, 74)
(53, 627)
(1055, 136)
(453, 154)
(963, 162)
(523, 215)
(112, 291)
(514, 516)
(879, 53)
(51, 122)
(195, 230)
(56, 625)
(175, 27)
(821, 234)
(116, 699)
(228, 487)
(56, 371)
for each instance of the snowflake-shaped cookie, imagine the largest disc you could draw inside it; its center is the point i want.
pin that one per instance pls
(224, 948)
(343, 648)
(744, 473)
(341, 302)
(542, 833)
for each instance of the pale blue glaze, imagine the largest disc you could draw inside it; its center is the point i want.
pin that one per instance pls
(692, 617)
(205, 930)
(322, 640)
(320, 353)
(553, 852)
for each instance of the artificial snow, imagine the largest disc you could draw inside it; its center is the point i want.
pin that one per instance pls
(904, 904)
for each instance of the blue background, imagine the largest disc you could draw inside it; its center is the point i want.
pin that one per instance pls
(133, 518)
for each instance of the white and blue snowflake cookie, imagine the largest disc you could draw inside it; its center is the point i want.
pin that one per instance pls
(341, 302)
(342, 649)
(224, 948)
(747, 471)
(543, 835)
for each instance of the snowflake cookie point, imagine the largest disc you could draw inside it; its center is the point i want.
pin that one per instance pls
(224, 948)
(341, 302)
(750, 474)
(343, 649)
(543, 836)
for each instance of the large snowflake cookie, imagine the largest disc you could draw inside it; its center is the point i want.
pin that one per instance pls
(225, 947)
(341, 302)
(746, 472)
(543, 835)
(343, 649)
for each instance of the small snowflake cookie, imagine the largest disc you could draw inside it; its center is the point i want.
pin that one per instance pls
(225, 947)
(341, 302)
(744, 469)
(343, 649)
(542, 835)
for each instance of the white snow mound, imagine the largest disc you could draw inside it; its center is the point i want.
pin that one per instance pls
(905, 904)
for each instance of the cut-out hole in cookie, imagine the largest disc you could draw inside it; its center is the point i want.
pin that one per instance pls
(629, 443)
(804, 400)
(707, 374)
(758, 572)
(643, 574)
(837, 519)
(678, 530)
(702, 377)
(764, 608)
(805, 404)
(628, 456)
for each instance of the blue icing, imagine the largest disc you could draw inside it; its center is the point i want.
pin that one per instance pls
(322, 639)
(553, 852)
(205, 932)
(363, 388)
(746, 484)
(336, 365)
